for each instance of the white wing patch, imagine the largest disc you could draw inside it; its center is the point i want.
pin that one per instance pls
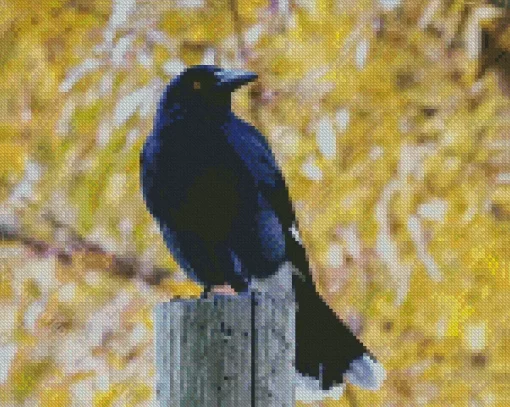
(295, 233)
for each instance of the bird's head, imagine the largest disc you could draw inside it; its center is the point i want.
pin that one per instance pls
(207, 86)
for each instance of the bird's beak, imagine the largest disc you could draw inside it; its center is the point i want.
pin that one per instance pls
(235, 78)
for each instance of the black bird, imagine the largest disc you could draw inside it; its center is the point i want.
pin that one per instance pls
(212, 183)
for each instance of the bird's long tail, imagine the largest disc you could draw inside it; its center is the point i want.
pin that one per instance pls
(325, 347)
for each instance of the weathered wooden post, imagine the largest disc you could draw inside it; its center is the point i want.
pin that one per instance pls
(226, 351)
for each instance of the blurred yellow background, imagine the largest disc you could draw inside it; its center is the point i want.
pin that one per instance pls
(390, 119)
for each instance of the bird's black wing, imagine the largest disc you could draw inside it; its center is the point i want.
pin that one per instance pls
(257, 156)
(255, 152)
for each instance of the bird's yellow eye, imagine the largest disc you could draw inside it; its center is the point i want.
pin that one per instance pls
(196, 85)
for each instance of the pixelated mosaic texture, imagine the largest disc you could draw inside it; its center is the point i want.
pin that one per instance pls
(390, 119)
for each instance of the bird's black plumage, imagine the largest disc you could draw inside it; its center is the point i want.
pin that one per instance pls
(212, 182)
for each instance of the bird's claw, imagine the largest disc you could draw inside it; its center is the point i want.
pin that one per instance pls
(225, 289)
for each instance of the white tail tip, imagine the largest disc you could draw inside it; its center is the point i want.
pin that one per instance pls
(366, 372)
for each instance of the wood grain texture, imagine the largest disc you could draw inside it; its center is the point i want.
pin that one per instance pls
(226, 351)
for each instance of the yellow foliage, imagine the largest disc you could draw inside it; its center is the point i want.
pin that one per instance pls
(55, 397)
(105, 398)
(27, 377)
(183, 289)
(249, 9)
(12, 159)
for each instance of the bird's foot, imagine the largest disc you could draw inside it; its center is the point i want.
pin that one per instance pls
(225, 289)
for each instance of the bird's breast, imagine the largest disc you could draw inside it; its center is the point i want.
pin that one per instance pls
(200, 185)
